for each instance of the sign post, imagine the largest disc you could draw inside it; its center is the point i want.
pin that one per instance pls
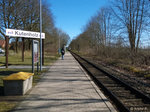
(23, 49)
(35, 54)
(22, 33)
(41, 35)
(43, 52)
(6, 49)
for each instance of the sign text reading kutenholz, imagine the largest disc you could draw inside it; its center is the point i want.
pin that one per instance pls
(22, 33)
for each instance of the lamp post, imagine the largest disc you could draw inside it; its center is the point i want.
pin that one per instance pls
(40, 35)
(59, 46)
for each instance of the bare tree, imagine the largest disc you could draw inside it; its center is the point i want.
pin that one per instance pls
(24, 15)
(6, 7)
(132, 15)
(99, 29)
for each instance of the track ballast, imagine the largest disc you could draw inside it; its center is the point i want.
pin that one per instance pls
(125, 97)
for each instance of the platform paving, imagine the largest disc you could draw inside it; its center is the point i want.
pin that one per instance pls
(65, 88)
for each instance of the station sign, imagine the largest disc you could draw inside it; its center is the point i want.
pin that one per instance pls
(22, 33)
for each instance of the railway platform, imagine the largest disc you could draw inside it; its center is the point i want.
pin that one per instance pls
(65, 88)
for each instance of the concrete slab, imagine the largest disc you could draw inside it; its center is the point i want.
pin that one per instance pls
(65, 88)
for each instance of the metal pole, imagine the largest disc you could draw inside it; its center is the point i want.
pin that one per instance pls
(59, 46)
(32, 56)
(6, 49)
(23, 49)
(40, 35)
(42, 51)
(37, 67)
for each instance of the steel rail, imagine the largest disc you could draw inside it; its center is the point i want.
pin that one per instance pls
(121, 107)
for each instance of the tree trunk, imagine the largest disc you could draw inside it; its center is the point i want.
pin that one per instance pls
(16, 49)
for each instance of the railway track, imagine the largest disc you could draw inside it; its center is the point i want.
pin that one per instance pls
(123, 95)
(139, 83)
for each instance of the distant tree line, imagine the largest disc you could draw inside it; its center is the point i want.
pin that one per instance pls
(24, 15)
(115, 30)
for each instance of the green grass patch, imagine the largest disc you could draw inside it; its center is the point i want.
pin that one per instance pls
(147, 76)
(16, 58)
(7, 106)
(37, 76)
(49, 59)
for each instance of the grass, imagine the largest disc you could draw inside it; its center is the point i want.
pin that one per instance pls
(6, 106)
(37, 76)
(123, 64)
(8, 102)
(16, 58)
(147, 76)
(128, 67)
(48, 60)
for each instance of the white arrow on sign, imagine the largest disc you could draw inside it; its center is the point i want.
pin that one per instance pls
(22, 33)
